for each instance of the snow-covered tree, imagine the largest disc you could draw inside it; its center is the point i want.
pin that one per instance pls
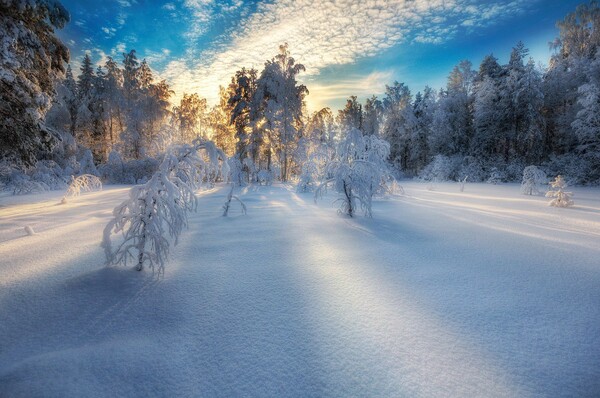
(423, 107)
(486, 119)
(31, 59)
(561, 198)
(243, 103)
(533, 177)
(191, 115)
(358, 172)
(223, 132)
(281, 100)
(452, 120)
(587, 128)
(400, 124)
(86, 164)
(156, 212)
(372, 116)
(351, 117)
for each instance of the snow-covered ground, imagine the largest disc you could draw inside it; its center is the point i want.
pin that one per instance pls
(445, 293)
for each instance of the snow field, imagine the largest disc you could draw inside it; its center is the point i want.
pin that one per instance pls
(484, 292)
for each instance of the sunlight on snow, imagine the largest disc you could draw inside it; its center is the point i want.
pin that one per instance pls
(424, 356)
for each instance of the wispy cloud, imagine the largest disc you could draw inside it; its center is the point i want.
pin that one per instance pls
(110, 32)
(326, 33)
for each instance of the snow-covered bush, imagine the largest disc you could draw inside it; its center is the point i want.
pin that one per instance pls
(308, 178)
(86, 164)
(533, 177)
(156, 212)
(312, 170)
(50, 174)
(496, 176)
(23, 185)
(45, 176)
(227, 204)
(117, 171)
(561, 198)
(83, 183)
(441, 168)
(114, 170)
(473, 168)
(358, 172)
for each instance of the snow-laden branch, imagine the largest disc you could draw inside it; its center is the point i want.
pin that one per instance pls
(156, 212)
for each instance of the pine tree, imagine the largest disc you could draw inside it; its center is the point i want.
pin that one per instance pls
(351, 117)
(372, 116)
(242, 102)
(400, 124)
(561, 198)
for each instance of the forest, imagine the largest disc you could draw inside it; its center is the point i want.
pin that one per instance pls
(156, 243)
(117, 120)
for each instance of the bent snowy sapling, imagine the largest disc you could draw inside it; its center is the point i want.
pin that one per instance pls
(156, 212)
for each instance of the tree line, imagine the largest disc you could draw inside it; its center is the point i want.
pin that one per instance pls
(490, 121)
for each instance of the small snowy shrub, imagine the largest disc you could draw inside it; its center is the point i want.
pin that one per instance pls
(25, 186)
(313, 169)
(359, 171)
(441, 168)
(82, 183)
(532, 179)
(156, 212)
(496, 176)
(308, 177)
(472, 167)
(117, 171)
(50, 174)
(46, 175)
(561, 198)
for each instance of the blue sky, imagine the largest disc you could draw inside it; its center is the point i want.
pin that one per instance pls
(348, 46)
